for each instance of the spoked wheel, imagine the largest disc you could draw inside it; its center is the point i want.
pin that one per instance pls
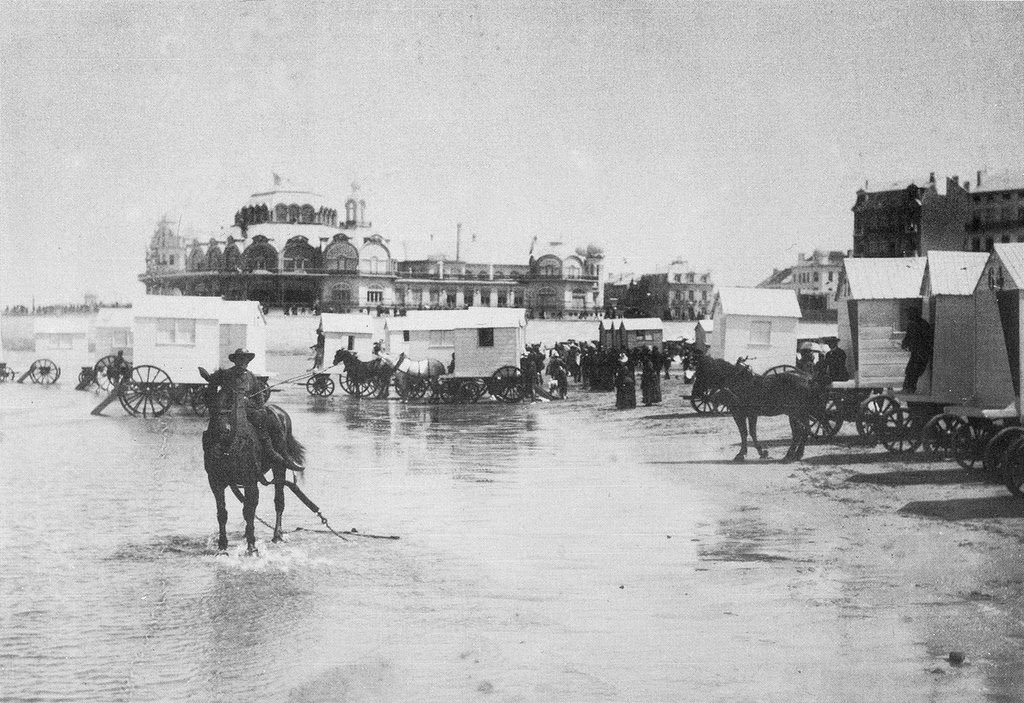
(349, 385)
(320, 384)
(446, 390)
(1012, 464)
(703, 403)
(871, 414)
(108, 372)
(367, 388)
(409, 387)
(826, 421)
(44, 372)
(506, 384)
(995, 449)
(85, 377)
(969, 442)
(900, 431)
(147, 392)
(469, 390)
(938, 433)
(783, 368)
(200, 405)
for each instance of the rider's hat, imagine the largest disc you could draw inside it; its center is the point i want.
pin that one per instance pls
(241, 356)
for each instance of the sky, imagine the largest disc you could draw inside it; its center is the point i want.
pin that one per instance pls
(733, 136)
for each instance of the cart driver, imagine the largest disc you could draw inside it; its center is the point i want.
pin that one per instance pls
(241, 380)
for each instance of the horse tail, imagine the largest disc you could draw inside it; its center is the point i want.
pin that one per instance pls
(296, 450)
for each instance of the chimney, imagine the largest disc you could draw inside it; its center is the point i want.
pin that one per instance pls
(931, 177)
(956, 180)
(979, 179)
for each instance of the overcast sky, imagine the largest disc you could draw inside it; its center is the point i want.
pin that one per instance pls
(733, 136)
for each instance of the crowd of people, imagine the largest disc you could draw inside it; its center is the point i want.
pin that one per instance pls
(598, 368)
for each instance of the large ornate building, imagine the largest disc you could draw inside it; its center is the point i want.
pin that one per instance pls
(815, 278)
(289, 248)
(678, 293)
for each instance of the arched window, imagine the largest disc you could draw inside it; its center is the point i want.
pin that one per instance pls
(572, 268)
(281, 213)
(232, 257)
(298, 255)
(579, 299)
(550, 267)
(307, 214)
(341, 293)
(340, 255)
(547, 299)
(293, 213)
(350, 212)
(260, 255)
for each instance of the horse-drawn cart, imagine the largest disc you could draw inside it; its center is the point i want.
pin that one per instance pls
(173, 337)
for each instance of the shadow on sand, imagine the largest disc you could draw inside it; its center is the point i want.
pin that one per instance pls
(909, 477)
(967, 508)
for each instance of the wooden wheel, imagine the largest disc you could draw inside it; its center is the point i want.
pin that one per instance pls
(349, 385)
(938, 433)
(147, 392)
(1012, 465)
(85, 377)
(871, 413)
(469, 390)
(44, 372)
(995, 449)
(898, 430)
(367, 388)
(506, 384)
(702, 403)
(108, 372)
(783, 368)
(320, 384)
(969, 445)
(827, 421)
(200, 404)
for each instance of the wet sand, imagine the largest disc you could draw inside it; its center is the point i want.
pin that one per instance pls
(550, 552)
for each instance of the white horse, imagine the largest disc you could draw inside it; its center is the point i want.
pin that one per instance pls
(413, 375)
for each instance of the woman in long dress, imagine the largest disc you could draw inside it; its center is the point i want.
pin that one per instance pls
(625, 384)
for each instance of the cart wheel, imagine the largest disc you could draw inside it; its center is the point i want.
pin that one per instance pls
(827, 421)
(44, 372)
(702, 403)
(382, 384)
(996, 447)
(107, 372)
(1012, 463)
(446, 390)
(870, 415)
(147, 392)
(367, 388)
(86, 376)
(720, 401)
(937, 435)
(506, 384)
(783, 368)
(898, 431)
(320, 384)
(200, 405)
(969, 446)
(348, 384)
(410, 387)
(469, 390)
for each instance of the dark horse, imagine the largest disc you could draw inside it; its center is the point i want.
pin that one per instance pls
(378, 370)
(235, 457)
(750, 396)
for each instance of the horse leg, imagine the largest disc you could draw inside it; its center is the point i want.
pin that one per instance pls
(252, 499)
(279, 478)
(794, 428)
(222, 515)
(741, 425)
(805, 432)
(752, 421)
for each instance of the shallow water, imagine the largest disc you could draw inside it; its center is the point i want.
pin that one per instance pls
(549, 551)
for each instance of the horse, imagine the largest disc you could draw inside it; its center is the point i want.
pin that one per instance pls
(750, 396)
(378, 369)
(235, 457)
(424, 370)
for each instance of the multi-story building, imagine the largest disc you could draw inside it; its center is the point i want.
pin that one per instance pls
(997, 211)
(679, 293)
(910, 219)
(293, 250)
(815, 278)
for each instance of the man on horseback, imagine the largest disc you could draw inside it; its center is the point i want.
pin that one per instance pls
(240, 380)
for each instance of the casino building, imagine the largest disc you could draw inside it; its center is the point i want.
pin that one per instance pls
(290, 249)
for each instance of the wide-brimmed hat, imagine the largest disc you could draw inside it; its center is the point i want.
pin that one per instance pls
(241, 356)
